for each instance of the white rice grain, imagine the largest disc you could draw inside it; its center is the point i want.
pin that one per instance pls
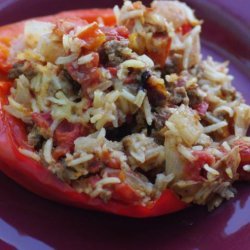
(147, 111)
(147, 60)
(229, 172)
(85, 59)
(82, 159)
(246, 168)
(171, 127)
(211, 170)
(197, 148)
(54, 125)
(224, 109)
(226, 146)
(29, 154)
(66, 59)
(139, 98)
(132, 63)
(212, 118)
(214, 127)
(57, 101)
(217, 153)
(107, 181)
(128, 96)
(34, 106)
(116, 12)
(186, 153)
(187, 52)
(47, 151)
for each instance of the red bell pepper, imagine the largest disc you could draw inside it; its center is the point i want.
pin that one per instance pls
(35, 177)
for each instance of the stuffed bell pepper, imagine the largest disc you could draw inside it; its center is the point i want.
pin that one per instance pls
(116, 111)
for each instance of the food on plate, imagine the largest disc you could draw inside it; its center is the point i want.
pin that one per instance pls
(117, 111)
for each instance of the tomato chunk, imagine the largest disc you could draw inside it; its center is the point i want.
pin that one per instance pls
(117, 33)
(92, 36)
(43, 120)
(87, 74)
(65, 135)
(193, 171)
(123, 192)
(160, 55)
(185, 28)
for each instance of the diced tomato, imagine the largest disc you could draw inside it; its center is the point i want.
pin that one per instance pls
(5, 87)
(117, 33)
(95, 167)
(67, 132)
(87, 74)
(185, 28)
(193, 171)
(4, 53)
(65, 135)
(86, 77)
(111, 161)
(201, 108)
(93, 36)
(123, 192)
(92, 180)
(122, 31)
(113, 71)
(60, 151)
(42, 120)
(163, 44)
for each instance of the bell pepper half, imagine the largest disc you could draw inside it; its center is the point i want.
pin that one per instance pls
(35, 177)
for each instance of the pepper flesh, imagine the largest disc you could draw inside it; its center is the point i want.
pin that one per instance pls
(35, 177)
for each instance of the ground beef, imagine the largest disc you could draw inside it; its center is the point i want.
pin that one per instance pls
(161, 115)
(35, 139)
(173, 64)
(22, 68)
(113, 52)
(179, 96)
(194, 97)
(228, 93)
(156, 89)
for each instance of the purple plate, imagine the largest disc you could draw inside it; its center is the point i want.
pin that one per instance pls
(30, 222)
